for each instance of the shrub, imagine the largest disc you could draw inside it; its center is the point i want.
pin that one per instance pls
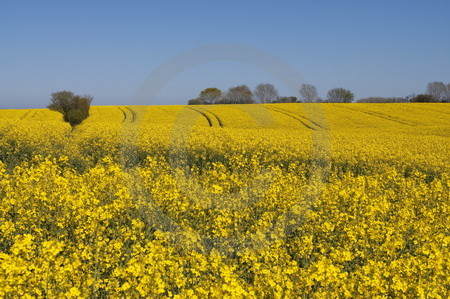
(74, 108)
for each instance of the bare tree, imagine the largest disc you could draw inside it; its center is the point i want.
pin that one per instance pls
(265, 93)
(438, 90)
(447, 94)
(308, 93)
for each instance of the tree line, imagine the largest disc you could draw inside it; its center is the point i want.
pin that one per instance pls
(267, 93)
(436, 92)
(75, 108)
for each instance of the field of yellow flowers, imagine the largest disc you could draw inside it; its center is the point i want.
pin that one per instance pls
(229, 201)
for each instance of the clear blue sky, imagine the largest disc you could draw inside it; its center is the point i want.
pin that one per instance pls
(108, 48)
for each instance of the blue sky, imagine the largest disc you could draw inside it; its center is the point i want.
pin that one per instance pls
(109, 48)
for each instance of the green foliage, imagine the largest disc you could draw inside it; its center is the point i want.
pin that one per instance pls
(196, 101)
(423, 98)
(74, 117)
(207, 96)
(74, 108)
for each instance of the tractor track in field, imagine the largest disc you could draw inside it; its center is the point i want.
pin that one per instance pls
(27, 114)
(219, 121)
(437, 111)
(124, 114)
(37, 114)
(293, 117)
(203, 114)
(305, 118)
(133, 114)
(378, 114)
(32, 115)
(129, 116)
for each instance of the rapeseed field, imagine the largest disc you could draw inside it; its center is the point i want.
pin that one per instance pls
(227, 201)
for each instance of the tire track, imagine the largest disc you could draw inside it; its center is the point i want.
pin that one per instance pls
(204, 115)
(378, 114)
(219, 121)
(305, 118)
(32, 114)
(124, 114)
(292, 116)
(26, 114)
(437, 111)
(39, 115)
(133, 114)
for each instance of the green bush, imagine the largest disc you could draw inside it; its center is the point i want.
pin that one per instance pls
(74, 117)
(74, 108)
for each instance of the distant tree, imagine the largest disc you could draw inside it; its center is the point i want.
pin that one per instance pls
(438, 90)
(265, 93)
(340, 95)
(423, 98)
(382, 100)
(409, 98)
(74, 108)
(196, 101)
(447, 94)
(308, 93)
(238, 95)
(285, 100)
(210, 95)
